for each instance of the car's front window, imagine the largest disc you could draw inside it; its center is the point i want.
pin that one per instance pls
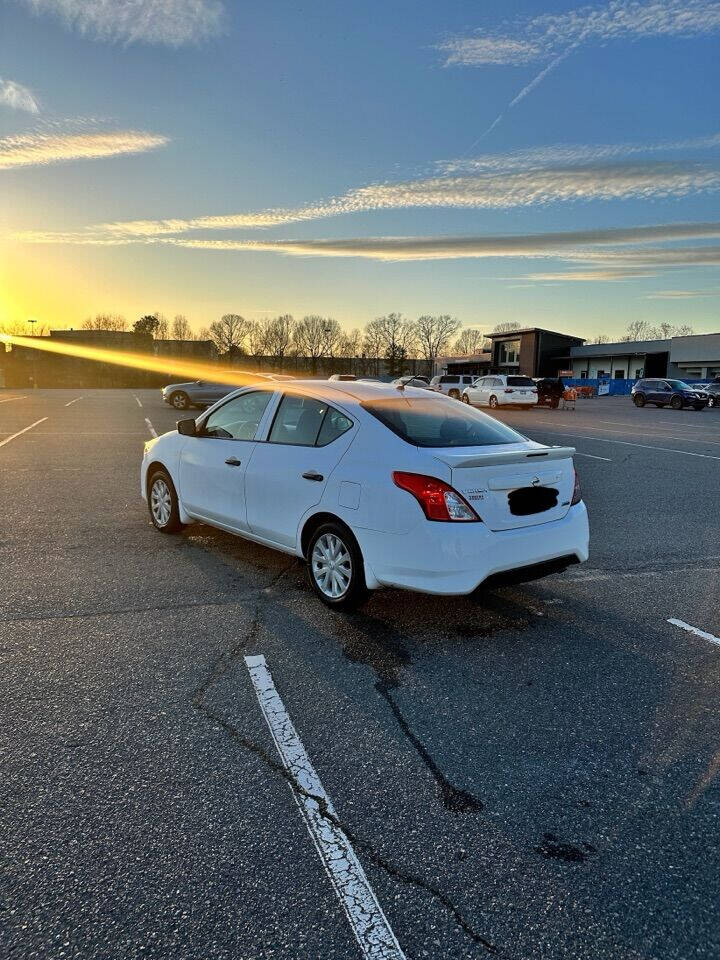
(679, 385)
(434, 423)
(239, 418)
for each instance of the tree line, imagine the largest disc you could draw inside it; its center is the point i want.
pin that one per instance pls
(392, 337)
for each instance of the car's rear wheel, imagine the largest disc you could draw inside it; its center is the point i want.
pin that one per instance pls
(639, 399)
(676, 403)
(180, 400)
(493, 403)
(163, 502)
(455, 394)
(465, 398)
(335, 566)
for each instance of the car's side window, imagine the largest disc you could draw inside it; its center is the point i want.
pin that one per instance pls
(298, 421)
(333, 426)
(238, 419)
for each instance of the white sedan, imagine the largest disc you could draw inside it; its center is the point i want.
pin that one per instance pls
(501, 391)
(372, 485)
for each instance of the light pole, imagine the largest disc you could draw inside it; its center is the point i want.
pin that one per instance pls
(31, 321)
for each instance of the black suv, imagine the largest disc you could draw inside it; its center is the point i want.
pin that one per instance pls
(664, 393)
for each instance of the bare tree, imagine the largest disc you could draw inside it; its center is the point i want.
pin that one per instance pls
(638, 330)
(600, 338)
(229, 333)
(508, 326)
(398, 341)
(181, 328)
(163, 327)
(349, 344)
(278, 336)
(313, 336)
(434, 334)
(256, 339)
(471, 341)
(105, 321)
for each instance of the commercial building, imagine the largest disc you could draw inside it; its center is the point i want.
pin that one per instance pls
(695, 357)
(532, 351)
(23, 367)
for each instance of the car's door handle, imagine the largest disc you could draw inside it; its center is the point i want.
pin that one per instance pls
(313, 475)
(233, 462)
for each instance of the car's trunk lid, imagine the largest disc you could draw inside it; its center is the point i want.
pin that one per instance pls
(513, 485)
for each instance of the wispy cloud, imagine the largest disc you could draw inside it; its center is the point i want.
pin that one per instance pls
(170, 22)
(484, 191)
(549, 35)
(18, 97)
(572, 154)
(681, 294)
(41, 149)
(554, 37)
(615, 275)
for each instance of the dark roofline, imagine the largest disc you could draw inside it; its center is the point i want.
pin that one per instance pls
(514, 333)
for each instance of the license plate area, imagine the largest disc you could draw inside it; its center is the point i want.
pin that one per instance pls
(528, 500)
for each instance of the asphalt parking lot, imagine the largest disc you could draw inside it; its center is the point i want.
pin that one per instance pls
(528, 772)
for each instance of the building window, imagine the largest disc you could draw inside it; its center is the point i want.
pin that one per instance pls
(509, 351)
(583, 374)
(620, 374)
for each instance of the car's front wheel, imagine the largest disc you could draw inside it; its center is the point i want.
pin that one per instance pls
(163, 502)
(335, 566)
(180, 400)
(493, 403)
(676, 403)
(465, 398)
(639, 399)
(455, 394)
(698, 406)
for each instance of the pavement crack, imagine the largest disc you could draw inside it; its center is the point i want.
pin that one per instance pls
(403, 876)
(453, 798)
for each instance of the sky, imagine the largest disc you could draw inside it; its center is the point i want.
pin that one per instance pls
(543, 162)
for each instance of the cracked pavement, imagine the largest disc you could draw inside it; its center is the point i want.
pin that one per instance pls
(532, 770)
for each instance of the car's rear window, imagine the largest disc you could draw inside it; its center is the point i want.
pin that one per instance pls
(520, 382)
(433, 422)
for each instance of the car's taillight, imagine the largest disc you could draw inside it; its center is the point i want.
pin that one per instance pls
(438, 499)
(577, 493)
(508, 390)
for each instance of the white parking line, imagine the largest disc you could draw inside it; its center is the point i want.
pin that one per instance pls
(592, 456)
(369, 924)
(627, 443)
(137, 401)
(696, 630)
(8, 399)
(20, 432)
(151, 428)
(73, 401)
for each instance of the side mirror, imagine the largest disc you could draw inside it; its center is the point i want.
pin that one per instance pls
(188, 428)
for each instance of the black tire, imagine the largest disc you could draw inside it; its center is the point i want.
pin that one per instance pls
(698, 406)
(164, 516)
(356, 591)
(180, 400)
(493, 403)
(554, 404)
(676, 403)
(464, 398)
(639, 400)
(455, 394)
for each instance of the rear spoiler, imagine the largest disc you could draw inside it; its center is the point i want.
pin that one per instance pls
(539, 455)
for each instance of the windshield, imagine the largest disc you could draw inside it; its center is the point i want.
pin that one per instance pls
(520, 382)
(432, 422)
(679, 385)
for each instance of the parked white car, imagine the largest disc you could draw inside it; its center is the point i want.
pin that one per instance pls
(502, 391)
(452, 384)
(373, 486)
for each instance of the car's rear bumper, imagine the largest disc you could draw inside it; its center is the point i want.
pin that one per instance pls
(445, 558)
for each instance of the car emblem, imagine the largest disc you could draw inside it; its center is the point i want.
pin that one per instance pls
(535, 481)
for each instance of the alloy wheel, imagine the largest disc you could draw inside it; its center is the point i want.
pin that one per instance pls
(331, 566)
(160, 502)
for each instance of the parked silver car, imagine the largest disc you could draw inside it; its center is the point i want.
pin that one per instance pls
(203, 393)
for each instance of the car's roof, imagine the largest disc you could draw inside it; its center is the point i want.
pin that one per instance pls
(353, 390)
